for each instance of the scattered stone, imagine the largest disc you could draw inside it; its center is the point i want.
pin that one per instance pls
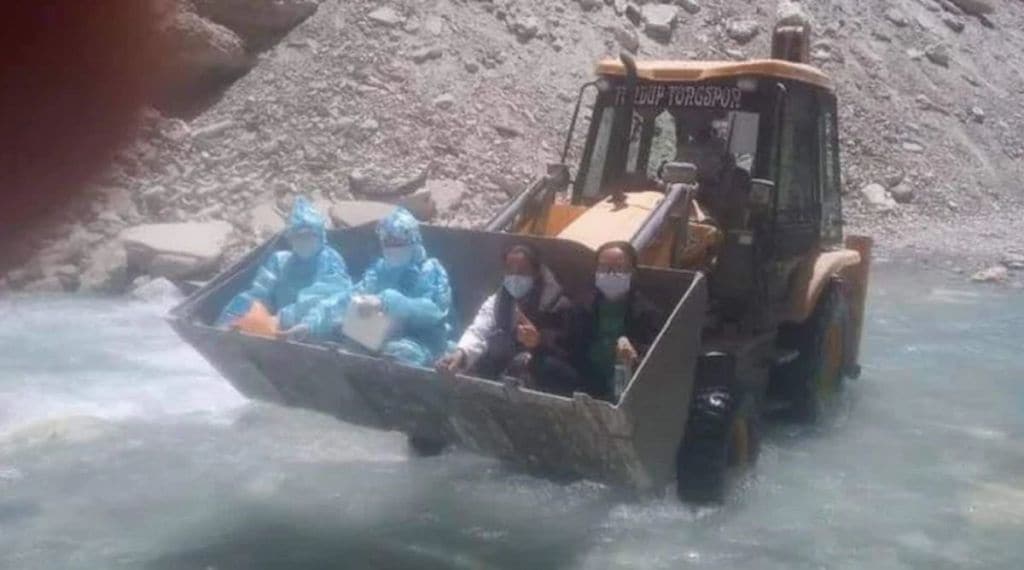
(176, 251)
(106, 270)
(426, 54)
(213, 130)
(790, 13)
(433, 25)
(659, 20)
(913, 147)
(380, 184)
(938, 54)
(894, 178)
(877, 196)
(954, 23)
(627, 38)
(896, 17)
(386, 16)
(903, 193)
(265, 220)
(369, 125)
(977, 114)
(444, 102)
(975, 7)
(159, 290)
(355, 213)
(508, 131)
(995, 274)
(589, 5)
(446, 194)
(1013, 261)
(472, 66)
(525, 29)
(691, 6)
(742, 31)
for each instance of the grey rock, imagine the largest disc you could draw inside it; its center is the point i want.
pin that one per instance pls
(975, 7)
(159, 290)
(525, 28)
(176, 251)
(386, 16)
(202, 48)
(589, 5)
(994, 274)
(977, 114)
(938, 54)
(893, 178)
(266, 220)
(742, 31)
(634, 14)
(659, 21)
(903, 193)
(913, 147)
(878, 197)
(367, 183)
(790, 13)
(446, 194)
(691, 6)
(954, 23)
(508, 131)
(106, 270)
(355, 213)
(426, 54)
(896, 17)
(258, 22)
(444, 102)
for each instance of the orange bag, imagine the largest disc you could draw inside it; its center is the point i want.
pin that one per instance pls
(258, 322)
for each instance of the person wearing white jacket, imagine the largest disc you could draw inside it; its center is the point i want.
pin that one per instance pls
(519, 331)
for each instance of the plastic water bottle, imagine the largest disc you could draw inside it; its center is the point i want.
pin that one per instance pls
(623, 374)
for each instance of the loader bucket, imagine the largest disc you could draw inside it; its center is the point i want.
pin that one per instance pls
(632, 443)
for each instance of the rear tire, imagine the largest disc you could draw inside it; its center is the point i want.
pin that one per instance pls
(722, 440)
(813, 382)
(425, 446)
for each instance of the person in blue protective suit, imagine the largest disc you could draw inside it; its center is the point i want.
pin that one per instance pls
(294, 283)
(411, 289)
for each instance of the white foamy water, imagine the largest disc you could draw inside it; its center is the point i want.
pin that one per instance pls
(121, 448)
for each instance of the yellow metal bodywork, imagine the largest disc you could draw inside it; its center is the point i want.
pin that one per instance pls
(607, 221)
(810, 280)
(695, 71)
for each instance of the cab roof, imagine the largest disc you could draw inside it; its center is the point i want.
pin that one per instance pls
(668, 70)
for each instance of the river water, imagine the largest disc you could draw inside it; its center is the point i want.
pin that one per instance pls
(121, 448)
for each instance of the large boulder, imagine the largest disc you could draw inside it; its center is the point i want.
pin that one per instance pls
(878, 197)
(259, 22)
(176, 251)
(266, 220)
(158, 291)
(382, 185)
(355, 213)
(106, 270)
(975, 7)
(659, 21)
(205, 54)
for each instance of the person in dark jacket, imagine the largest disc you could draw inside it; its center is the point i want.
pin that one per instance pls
(617, 326)
(519, 331)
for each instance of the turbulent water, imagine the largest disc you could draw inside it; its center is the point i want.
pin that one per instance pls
(121, 448)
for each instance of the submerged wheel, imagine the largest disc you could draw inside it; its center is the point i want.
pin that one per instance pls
(426, 447)
(722, 440)
(814, 380)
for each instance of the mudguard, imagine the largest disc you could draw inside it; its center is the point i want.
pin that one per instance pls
(632, 443)
(810, 279)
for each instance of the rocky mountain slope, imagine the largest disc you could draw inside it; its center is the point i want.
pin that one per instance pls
(471, 98)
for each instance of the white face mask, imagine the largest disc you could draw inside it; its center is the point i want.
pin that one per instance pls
(304, 245)
(399, 256)
(518, 285)
(613, 286)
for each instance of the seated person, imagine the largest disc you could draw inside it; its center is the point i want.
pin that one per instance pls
(411, 289)
(724, 187)
(292, 283)
(519, 329)
(616, 326)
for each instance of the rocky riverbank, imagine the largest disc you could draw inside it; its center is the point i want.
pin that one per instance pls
(454, 105)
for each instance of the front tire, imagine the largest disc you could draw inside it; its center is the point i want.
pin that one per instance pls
(722, 440)
(814, 380)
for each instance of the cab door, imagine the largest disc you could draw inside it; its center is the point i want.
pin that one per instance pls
(797, 224)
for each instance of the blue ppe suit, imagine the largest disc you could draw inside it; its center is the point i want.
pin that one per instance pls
(417, 295)
(293, 287)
